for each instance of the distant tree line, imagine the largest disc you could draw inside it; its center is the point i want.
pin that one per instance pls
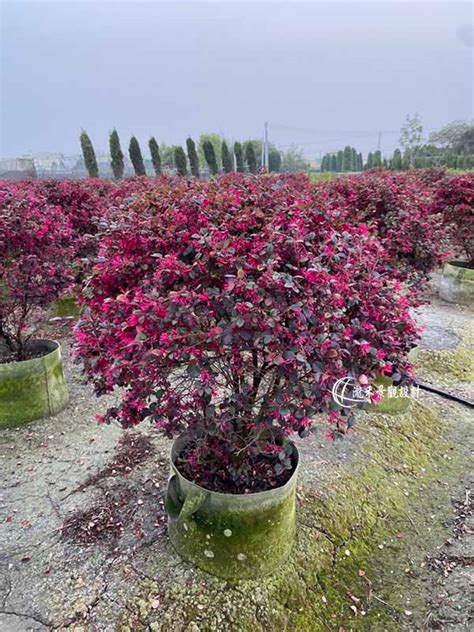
(451, 147)
(211, 155)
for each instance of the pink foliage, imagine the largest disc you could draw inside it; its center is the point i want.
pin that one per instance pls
(227, 310)
(35, 247)
(454, 199)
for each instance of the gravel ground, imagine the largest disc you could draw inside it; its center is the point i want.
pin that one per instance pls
(107, 487)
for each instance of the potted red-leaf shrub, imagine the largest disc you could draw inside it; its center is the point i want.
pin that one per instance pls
(225, 312)
(35, 247)
(454, 198)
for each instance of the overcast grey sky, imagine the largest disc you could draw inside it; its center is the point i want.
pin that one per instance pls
(322, 73)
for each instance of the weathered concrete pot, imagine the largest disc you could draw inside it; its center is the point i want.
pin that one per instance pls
(389, 405)
(457, 283)
(236, 536)
(33, 388)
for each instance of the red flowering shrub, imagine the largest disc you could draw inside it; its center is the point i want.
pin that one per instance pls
(34, 266)
(227, 309)
(454, 199)
(397, 209)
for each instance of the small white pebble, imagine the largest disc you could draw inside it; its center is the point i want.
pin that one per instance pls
(185, 526)
(347, 552)
(241, 557)
(227, 533)
(208, 553)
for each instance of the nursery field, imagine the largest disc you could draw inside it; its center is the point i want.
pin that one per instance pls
(176, 450)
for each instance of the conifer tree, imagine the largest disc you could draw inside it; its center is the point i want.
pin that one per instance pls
(353, 159)
(89, 155)
(180, 161)
(340, 156)
(155, 155)
(378, 158)
(360, 162)
(136, 157)
(347, 159)
(239, 157)
(370, 161)
(210, 156)
(397, 160)
(116, 155)
(193, 157)
(274, 160)
(226, 158)
(334, 163)
(250, 157)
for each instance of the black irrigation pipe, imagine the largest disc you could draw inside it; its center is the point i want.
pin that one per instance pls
(434, 389)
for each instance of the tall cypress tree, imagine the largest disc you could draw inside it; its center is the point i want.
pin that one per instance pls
(250, 157)
(378, 158)
(180, 161)
(136, 157)
(340, 156)
(116, 155)
(370, 160)
(192, 156)
(397, 160)
(353, 159)
(334, 163)
(239, 157)
(274, 160)
(324, 163)
(155, 155)
(226, 158)
(210, 156)
(360, 162)
(347, 159)
(89, 155)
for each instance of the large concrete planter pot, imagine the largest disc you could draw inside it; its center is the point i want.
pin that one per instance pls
(33, 388)
(457, 283)
(236, 536)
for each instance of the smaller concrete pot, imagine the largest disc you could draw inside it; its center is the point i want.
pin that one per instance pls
(33, 389)
(236, 536)
(457, 283)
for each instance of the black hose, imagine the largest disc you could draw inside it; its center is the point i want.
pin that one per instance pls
(439, 391)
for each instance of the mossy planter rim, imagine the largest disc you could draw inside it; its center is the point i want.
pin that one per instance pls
(181, 441)
(32, 361)
(459, 263)
(456, 284)
(34, 388)
(233, 536)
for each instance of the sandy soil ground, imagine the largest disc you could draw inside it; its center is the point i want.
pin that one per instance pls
(83, 527)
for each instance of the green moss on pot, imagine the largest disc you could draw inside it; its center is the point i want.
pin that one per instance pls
(231, 535)
(33, 389)
(457, 283)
